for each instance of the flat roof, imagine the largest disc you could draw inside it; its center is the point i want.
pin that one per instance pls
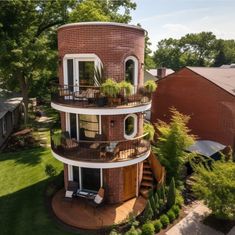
(102, 23)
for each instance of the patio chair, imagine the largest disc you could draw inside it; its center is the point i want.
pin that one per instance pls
(68, 143)
(71, 191)
(64, 92)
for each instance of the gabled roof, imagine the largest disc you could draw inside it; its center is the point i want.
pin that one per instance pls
(9, 105)
(222, 77)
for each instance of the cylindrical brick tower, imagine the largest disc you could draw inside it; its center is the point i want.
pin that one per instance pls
(101, 142)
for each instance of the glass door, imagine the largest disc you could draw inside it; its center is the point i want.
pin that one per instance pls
(73, 125)
(90, 179)
(86, 73)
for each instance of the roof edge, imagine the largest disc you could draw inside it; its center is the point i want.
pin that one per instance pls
(101, 23)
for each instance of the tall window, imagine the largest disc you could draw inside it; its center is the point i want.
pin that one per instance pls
(131, 70)
(86, 73)
(88, 126)
(130, 126)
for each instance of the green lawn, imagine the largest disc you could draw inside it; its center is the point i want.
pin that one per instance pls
(22, 184)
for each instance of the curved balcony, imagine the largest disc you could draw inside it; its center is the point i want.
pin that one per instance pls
(90, 100)
(98, 151)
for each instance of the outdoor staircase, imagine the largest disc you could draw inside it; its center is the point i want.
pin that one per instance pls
(147, 182)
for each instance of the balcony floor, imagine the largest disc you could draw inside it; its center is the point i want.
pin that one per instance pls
(79, 213)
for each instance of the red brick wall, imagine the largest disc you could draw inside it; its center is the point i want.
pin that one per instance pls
(117, 131)
(112, 44)
(65, 176)
(113, 183)
(212, 109)
(63, 121)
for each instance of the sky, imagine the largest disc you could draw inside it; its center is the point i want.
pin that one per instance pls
(175, 18)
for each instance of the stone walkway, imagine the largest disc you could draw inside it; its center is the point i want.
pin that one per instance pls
(192, 223)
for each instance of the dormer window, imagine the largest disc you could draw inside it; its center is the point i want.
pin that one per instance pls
(131, 70)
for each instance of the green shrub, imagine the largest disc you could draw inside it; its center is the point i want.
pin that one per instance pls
(164, 220)
(171, 196)
(149, 131)
(157, 225)
(148, 212)
(156, 199)
(176, 210)
(148, 229)
(171, 215)
(150, 86)
(132, 231)
(179, 199)
(152, 203)
(114, 232)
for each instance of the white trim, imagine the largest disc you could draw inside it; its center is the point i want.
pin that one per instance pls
(101, 111)
(137, 180)
(70, 172)
(80, 178)
(102, 23)
(102, 165)
(76, 58)
(136, 68)
(135, 126)
(101, 177)
(67, 122)
(100, 126)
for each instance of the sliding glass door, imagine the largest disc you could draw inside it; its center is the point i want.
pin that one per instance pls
(89, 179)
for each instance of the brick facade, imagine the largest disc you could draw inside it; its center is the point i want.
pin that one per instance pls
(111, 43)
(212, 109)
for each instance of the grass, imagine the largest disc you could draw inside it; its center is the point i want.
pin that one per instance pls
(23, 181)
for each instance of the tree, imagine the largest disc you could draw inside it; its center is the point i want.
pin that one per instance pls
(171, 196)
(225, 52)
(216, 187)
(200, 49)
(26, 49)
(173, 139)
(96, 10)
(148, 212)
(28, 36)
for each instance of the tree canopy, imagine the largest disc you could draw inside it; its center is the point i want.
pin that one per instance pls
(195, 49)
(173, 139)
(215, 185)
(28, 36)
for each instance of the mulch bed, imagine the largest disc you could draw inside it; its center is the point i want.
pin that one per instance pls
(223, 226)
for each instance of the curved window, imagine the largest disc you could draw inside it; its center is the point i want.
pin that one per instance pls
(131, 70)
(130, 126)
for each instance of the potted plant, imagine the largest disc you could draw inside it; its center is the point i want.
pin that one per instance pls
(111, 89)
(56, 138)
(150, 86)
(126, 89)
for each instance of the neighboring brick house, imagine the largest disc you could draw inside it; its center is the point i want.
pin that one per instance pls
(207, 95)
(10, 116)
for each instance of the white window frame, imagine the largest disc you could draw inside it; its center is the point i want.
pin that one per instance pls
(136, 68)
(70, 175)
(76, 58)
(4, 125)
(135, 126)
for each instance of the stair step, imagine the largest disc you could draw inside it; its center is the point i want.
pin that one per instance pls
(144, 192)
(147, 167)
(148, 177)
(147, 171)
(147, 183)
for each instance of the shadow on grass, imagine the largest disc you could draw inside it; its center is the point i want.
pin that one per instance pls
(29, 157)
(27, 211)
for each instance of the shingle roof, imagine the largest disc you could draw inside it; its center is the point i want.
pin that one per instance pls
(9, 105)
(222, 77)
